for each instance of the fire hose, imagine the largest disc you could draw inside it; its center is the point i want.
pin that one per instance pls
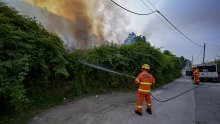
(118, 73)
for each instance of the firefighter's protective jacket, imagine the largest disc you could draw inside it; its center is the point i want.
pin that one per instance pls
(196, 72)
(145, 80)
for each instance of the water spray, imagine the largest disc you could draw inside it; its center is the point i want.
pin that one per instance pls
(105, 69)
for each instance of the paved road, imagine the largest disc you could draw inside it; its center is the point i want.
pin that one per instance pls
(208, 104)
(118, 108)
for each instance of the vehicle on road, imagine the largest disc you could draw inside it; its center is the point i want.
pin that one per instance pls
(208, 72)
(188, 71)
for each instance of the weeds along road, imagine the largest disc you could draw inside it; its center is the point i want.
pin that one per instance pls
(118, 108)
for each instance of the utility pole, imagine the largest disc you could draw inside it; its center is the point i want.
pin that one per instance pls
(203, 53)
(192, 59)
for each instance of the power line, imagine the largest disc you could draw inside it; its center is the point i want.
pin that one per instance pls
(132, 11)
(162, 16)
(152, 5)
(156, 14)
(146, 5)
(170, 23)
(174, 27)
(179, 30)
(161, 20)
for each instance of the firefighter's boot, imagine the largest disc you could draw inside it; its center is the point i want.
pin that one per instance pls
(197, 82)
(137, 112)
(149, 110)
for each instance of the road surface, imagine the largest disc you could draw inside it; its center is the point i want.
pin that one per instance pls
(201, 106)
(208, 104)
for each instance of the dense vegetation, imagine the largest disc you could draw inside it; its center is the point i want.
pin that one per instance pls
(30, 60)
(35, 68)
(126, 59)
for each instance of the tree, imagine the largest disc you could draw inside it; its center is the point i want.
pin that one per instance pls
(141, 39)
(167, 52)
(130, 39)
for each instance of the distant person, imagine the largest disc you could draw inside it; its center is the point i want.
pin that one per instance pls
(145, 81)
(196, 75)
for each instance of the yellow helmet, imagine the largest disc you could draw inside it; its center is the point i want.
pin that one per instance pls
(145, 66)
(194, 66)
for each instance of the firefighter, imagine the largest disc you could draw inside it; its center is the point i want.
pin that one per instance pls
(145, 81)
(196, 74)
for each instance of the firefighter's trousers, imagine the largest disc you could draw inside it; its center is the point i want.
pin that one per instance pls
(196, 79)
(141, 97)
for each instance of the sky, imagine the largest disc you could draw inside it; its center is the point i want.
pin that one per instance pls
(197, 19)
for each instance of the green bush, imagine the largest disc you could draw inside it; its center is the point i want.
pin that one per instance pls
(30, 58)
(126, 59)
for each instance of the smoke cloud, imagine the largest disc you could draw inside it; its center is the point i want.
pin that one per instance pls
(85, 23)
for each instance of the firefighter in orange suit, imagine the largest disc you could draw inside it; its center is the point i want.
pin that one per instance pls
(196, 74)
(145, 81)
